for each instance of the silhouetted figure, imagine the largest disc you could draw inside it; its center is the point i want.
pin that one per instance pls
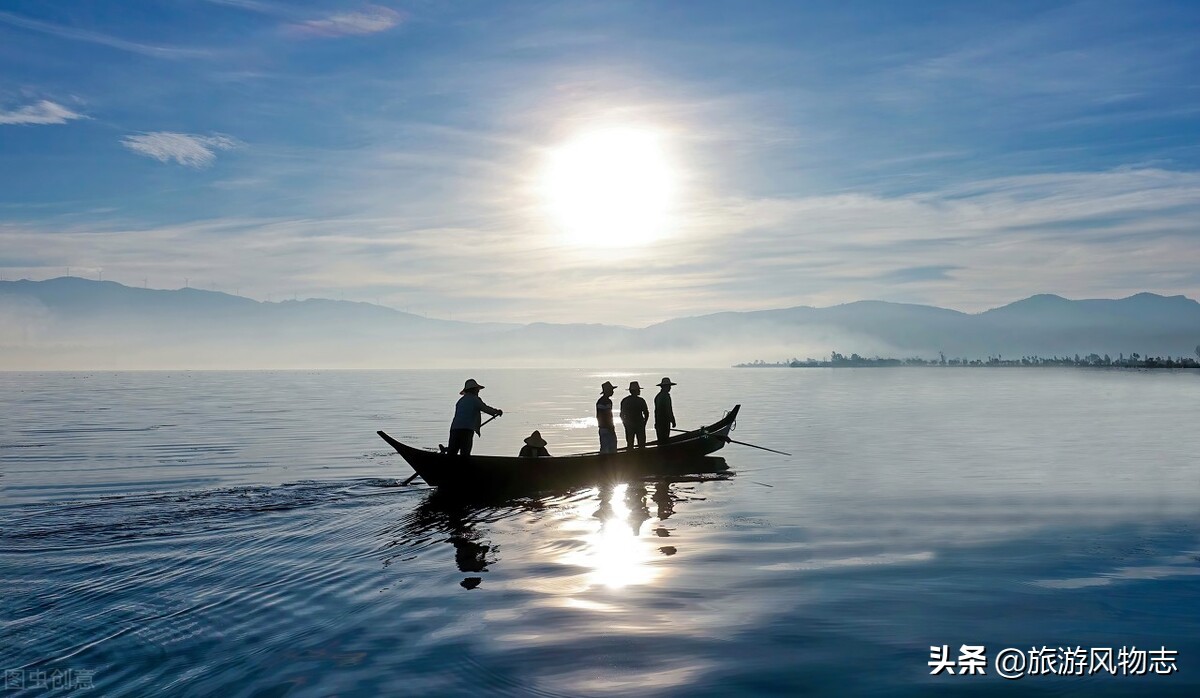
(604, 418)
(440, 513)
(635, 502)
(467, 419)
(666, 504)
(469, 555)
(605, 512)
(535, 446)
(634, 415)
(664, 414)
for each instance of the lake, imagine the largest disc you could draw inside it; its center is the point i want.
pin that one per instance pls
(247, 534)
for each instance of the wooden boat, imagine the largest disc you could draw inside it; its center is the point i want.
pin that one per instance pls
(683, 454)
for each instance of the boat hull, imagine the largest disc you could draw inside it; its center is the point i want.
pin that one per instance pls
(684, 454)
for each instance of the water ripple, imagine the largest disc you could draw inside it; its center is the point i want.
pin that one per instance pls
(244, 534)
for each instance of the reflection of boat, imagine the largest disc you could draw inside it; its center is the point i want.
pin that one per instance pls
(614, 551)
(442, 513)
(683, 454)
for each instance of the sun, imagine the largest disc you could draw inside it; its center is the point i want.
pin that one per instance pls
(610, 188)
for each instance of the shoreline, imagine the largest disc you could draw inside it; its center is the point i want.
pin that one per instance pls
(1091, 361)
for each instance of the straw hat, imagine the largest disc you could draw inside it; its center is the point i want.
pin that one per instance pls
(535, 439)
(634, 386)
(608, 386)
(470, 385)
(666, 381)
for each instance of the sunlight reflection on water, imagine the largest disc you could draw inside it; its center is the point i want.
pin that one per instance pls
(616, 552)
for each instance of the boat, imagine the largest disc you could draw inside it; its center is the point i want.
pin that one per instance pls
(687, 453)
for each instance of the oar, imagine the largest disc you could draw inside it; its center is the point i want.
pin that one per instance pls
(414, 475)
(481, 425)
(743, 443)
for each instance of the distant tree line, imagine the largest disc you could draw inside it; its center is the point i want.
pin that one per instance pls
(1134, 360)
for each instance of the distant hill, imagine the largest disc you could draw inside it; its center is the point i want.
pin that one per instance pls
(1044, 325)
(77, 323)
(90, 302)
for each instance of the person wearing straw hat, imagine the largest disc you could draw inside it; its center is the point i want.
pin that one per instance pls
(634, 415)
(535, 446)
(467, 419)
(604, 418)
(664, 414)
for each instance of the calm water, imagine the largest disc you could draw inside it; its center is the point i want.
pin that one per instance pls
(246, 534)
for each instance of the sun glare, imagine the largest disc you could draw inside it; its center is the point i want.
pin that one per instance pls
(610, 188)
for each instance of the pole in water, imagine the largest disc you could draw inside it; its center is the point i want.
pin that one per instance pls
(743, 443)
(764, 448)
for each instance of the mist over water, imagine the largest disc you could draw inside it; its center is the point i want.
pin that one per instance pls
(245, 533)
(75, 324)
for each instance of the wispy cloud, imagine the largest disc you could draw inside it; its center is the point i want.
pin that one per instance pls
(1005, 240)
(251, 5)
(1080, 234)
(370, 20)
(41, 113)
(937, 272)
(187, 149)
(99, 38)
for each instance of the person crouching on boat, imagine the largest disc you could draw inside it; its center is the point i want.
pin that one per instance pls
(664, 413)
(604, 418)
(634, 415)
(535, 446)
(467, 419)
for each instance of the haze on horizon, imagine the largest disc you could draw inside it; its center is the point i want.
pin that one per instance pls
(70, 323)
(618, 163)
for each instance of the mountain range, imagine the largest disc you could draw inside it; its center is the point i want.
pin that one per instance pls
(74, 323)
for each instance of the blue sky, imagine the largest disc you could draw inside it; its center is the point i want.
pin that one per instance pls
(959, 154)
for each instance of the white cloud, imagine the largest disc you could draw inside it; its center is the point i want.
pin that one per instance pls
(370, 20)
(187, 149)
(1089, 234)
(44, 112)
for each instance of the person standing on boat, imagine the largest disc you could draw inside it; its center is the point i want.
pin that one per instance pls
(634, 415)
(604, 418)
(535, 446)
(467, 419)
(664, 414)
